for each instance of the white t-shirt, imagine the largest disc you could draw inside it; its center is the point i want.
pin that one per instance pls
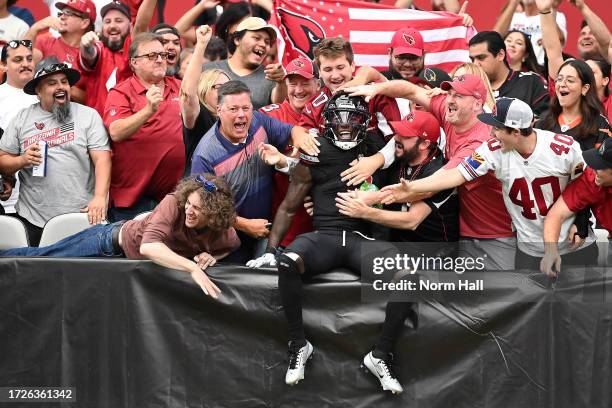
(12, 28)
(12, 100)
(531, 25)
(531, 185)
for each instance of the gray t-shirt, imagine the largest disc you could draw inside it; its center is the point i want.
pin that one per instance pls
(261, 88)
(69, 183)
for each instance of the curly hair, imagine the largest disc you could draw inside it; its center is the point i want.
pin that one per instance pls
(218, 207)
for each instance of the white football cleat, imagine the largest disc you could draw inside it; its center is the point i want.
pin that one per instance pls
(382, 370)
(297, 363)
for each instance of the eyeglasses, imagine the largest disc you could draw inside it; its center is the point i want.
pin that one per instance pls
(49, 69)
(216, 86)
(14, 44)
(206, 184)
(152, 56)
(567, 80)
(403, 58)
(69, 13)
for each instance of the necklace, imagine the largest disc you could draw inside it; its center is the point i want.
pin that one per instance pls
(565, 125)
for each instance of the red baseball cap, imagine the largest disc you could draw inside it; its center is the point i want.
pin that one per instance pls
(300, 66)
(407, 41)
(469, 85)
(85, 7)
(418, 124)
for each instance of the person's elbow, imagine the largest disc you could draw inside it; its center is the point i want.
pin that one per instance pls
(116, 132)
(147, 250)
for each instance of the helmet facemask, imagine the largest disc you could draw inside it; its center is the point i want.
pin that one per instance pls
(346, 121)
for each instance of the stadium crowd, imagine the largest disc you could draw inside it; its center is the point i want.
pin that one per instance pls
(508, 154)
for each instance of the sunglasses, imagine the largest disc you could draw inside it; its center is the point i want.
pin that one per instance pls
(14, 44)
(152, 56)
(206, 184)
(49, 69)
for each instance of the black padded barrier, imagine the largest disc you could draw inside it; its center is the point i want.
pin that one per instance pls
(131, 334)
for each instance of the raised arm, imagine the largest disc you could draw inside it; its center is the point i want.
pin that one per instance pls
(189, 100)
(502, 24)
(143, 17)
(550, 37)
(598, 27)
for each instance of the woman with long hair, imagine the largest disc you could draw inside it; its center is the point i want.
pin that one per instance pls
(575, 109)
(601, 72)
(520, 54)
(198, 98)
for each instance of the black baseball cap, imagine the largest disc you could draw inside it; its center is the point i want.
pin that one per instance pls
(600, 158)
(116, 5)
(431, 76)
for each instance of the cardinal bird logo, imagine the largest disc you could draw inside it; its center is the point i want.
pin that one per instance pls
(39, 126)
(409, 39)
(303, 33)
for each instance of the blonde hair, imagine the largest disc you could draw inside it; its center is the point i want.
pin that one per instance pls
(473, 69)
(205, 83)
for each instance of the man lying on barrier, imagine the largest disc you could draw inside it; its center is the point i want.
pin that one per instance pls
(194, 222)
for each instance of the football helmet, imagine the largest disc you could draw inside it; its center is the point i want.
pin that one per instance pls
(346, 120)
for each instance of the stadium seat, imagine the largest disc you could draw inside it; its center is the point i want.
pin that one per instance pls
(602, 240)
(14, 234)
(142, 215)
(62, 226)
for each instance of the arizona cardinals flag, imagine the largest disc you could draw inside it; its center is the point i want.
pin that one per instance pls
(369, 27)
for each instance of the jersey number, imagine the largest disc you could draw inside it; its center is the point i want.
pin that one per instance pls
(559, 149)
(270, 107)
(520, 196)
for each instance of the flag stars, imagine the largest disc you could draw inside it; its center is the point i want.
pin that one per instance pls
(332, 28)
(314, 9)
(298, 7)
(323, 18)
(340, 20)
(337, 4)
(331, 11)
(321, 3)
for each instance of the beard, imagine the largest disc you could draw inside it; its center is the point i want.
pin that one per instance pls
(113, 45)
(61, 111)
(412, 154)
(172, 70)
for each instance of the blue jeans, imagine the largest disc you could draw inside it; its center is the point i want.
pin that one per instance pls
(94, 241)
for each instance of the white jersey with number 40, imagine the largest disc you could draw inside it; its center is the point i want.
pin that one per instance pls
(530, 185)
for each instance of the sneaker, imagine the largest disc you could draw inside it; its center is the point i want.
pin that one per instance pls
(383, 370)
(297, 363)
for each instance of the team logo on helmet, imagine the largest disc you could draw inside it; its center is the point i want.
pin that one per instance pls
(302, 32)
(409, 39)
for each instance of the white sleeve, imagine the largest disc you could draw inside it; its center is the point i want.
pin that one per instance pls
(485, 158)
(562, 23)
(388, 152)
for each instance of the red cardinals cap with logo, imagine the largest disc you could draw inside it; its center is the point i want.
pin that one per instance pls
(85, 7)
(300, 66)
(407, 41)
(418, 124)
(468, 85)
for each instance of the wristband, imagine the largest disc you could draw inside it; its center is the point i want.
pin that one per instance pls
(545, 12)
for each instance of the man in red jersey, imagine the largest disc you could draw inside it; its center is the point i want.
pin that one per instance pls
(484, 222)
(592, 189)
(302, 84)
(143, 119)
(103, 61)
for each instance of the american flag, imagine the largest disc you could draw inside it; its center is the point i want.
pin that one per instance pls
(369, 27)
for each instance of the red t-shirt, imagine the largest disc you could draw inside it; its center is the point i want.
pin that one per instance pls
(166, 224)
(301, 222)
(49, 45)
(111, 68)
(583, 192)
(383, 109)
(152, 160)
(482, 213)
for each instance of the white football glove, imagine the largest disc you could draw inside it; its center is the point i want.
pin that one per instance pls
(266, 260)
